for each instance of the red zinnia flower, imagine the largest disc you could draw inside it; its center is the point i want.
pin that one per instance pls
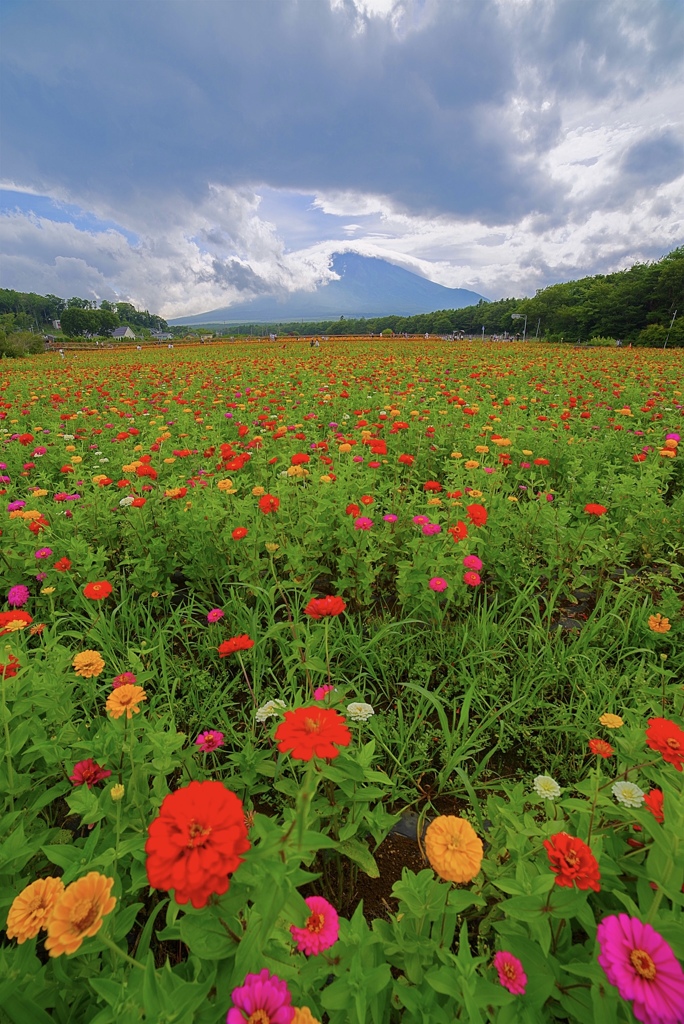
(654, 801)
(97, 591)
(239, 533)
(477, 514)
(367, 499)
(88, 772)
(595, 510)
(300, 459)
(459, 531)
(269, 503)
(352, 510)
(312, 732)
(16, 619)
(321, 607)
(406, 460)
(668, 738)
(432, 485)
(236, 643)
(572, 862)
(601, 747)
(62, 564)
(196, 842)
(10, 669)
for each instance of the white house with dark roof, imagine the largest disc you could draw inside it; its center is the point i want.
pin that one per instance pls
(123, 332)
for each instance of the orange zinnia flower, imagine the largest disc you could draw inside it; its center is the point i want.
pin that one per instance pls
(88, 664)
(78, 913)
(601, 748)
(32, 908)
(453, 848)
(124, 700)
(659, 623)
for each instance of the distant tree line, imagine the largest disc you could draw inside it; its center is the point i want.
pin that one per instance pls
(635, 306)
(26, 311)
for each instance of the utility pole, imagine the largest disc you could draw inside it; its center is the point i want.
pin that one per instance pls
(670, 328)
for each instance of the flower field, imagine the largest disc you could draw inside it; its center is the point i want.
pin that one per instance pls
(267, 612)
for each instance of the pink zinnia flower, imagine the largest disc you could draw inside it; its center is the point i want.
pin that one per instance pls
(472, 562)
(472, 579)
(643, 968)
(214, 615)
(124, 679)
(391, 518)
(429, 529)
(210, 740)
(320, 691)
(43, 552)
(321, 928)
(420, 520)
(88, 772)
(18, 596)
(437, 584)
(511, 973)
(363, 523)
(264, 994)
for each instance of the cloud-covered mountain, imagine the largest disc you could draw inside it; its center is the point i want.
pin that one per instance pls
(366, 286)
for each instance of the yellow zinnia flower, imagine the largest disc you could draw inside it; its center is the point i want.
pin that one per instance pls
(303, 1015)
(124, 700)
(453, 848)
(78, 913)
(611, 721)
(88, 664)
(32, 908)
(225, 485)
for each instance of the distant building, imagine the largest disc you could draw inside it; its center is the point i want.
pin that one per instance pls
(160, 336)
(123, 332)
(57, 324)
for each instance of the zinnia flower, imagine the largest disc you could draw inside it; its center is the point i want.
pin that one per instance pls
(546, 787)
(572, 862)
(595, 510)
(477, 514)
(10, 670)
(239, 533)
(263, 999)
(312, 732)
(437, 584)
(320, 691)
(511, 973)
(359, 712)
(210, 740)
(32, 908)
(62, 564)
(643, 968)
(236, 643)
(78, 913)
(472, 579)
(88, 772)
(88, 664)
(43, 552)
(601, 748)
(123, 678)
(270, 709)
(214, 615)
(453, 848)
(472, 562)
(627, 794)
(18, 596)
(321, 927)
(654, 802)
(196, 842)
(124, 700)
(303, 1015)
(668, 738)
(97, 591)
(269, 503)
(12, 621)
(322, 607)
(362, 523)
(611, 721)
(659, 623)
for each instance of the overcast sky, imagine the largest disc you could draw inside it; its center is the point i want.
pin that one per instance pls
(183, 154)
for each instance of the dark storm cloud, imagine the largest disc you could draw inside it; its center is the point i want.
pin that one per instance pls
(655, 160)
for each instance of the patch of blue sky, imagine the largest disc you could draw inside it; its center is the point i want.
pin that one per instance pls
(28, 203)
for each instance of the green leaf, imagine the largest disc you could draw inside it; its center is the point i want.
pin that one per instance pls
(361, 855)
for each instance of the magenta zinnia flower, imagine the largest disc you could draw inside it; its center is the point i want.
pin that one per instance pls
(363, 523)
(471, 579)
(320, 691)
(88, 772)
(472, 562)
(214, 615)
(124, 679)
(511, 973)
(321, 927)
(438, 584)
(210, 740)
(263, 997)
(643, 968)
(43, 552)
(18, 596)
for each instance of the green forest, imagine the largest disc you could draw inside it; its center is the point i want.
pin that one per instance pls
(643, 306)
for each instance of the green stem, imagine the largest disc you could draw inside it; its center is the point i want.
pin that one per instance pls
(8, 748)
(110, 944)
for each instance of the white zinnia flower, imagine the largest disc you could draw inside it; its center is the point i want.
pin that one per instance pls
(128, 500)
(359, 712)
(546, 787)
(627, 794)
(269, 709)
(103, 460)
(67, 437)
